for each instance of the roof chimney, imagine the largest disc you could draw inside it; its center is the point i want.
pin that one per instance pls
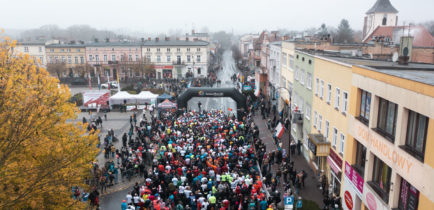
(405, 48)
(157, 39)
(149, 39)
(186, 38)
(192, 32)
(167, 39)
(143, 39)
(107, 40)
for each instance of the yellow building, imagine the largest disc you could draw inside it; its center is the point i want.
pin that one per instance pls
(68, 58)
(329, 117)
(287, 75)
(390, 143)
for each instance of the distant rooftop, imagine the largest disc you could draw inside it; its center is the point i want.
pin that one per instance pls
(383, 6)
(31, 43)
(65, 45)
(150, 43)
(419, 72)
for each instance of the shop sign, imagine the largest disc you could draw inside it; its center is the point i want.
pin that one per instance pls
(335, 157)
(348, 200)
(372, 201)
(162, 67)
(311, 146)
(355, 178)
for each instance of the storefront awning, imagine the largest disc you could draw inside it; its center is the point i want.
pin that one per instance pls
(333, 165)
(318, 145)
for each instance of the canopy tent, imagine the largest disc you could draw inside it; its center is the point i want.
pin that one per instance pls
(166, 104)
(141, 98)
(163, 97)
(122, 96)
(146, 97)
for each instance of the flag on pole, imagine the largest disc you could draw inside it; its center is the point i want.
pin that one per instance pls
(229, 109)
(279, 130)
(108, 80)
(119, 85)
(99, 83)
(90, 83)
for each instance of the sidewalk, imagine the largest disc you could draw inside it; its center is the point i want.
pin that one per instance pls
(311, 190)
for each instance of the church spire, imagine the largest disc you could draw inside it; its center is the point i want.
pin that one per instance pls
(382, 6)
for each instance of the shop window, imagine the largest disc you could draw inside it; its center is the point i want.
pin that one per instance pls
(381, 179)
(359, 165)
(416, 135)
(365, 105)
(387, 119)
(408, 196)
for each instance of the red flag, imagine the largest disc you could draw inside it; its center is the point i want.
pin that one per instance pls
(229, 109)
(279, 130)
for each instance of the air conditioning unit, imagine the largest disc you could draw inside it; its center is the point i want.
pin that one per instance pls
(297, 117)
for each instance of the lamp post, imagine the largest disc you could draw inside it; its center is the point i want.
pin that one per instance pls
(289, 128)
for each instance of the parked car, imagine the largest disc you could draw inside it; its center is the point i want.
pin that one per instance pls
(113, 84)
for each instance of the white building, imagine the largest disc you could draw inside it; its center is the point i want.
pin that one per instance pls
(381, 14)
(196, 37)
(246, 44)
(177, 58)
(274, 68)
(36, 50)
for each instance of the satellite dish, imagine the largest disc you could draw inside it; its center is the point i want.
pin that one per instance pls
(405, 51)
(395, 57)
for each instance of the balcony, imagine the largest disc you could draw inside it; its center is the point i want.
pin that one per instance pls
(178, 63)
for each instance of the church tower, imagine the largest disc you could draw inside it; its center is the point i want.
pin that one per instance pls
(381, 14)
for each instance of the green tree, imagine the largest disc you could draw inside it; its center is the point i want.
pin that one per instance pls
(344, 33)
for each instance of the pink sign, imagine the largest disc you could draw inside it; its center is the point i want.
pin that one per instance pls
(370, 199)
(355, 178)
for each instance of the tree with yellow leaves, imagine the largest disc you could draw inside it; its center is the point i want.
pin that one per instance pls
(42, 153)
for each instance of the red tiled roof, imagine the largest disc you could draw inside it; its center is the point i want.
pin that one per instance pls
(422, 38)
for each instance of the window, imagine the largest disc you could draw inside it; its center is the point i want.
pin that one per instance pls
(307, 114)
(321, 91)
(90, 57)
(359, 165)
(81, 59)
(315, 119)
(76, 60)
(309, 81)
(326, 130)
(365, 106)
(284, 59)
(387, 118)
(381, 179)
(113, 57)
(416, 134)
(68, 50)
(40, 49)
(56, 59)
(97, 57)
(188, 49)
(291, 63)
(122, 58)
(337, 98)
(51, 50)
(148, 58)
(178, 50)
(158, 58)
(335, 137)
(41, 59)
(63, 59)
(198, 71)
(319, 123)
(297, 73)
(158, 49)
(329, 93)
(69, 60)
(148, 49)
(168, 58)
(408, 196)
(130, 57)
(178, 59)
(198, 49)
(62, 50)
(344, 102)
(188, 59)
(168, 49)
(342, 146)
(302, 77)
(316, 86)
(105, 58)
(198, 58)
(137, 57)
(78, 50)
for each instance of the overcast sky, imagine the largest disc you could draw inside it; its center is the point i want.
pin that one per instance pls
(151, 16)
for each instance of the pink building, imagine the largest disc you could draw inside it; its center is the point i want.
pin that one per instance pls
(112, 59)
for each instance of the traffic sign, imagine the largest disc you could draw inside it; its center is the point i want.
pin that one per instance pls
(299, 204)
(289, 200)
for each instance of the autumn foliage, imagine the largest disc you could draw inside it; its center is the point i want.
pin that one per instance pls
(42, 152)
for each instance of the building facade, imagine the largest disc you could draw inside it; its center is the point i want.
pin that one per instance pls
(113, 59)
(287, 76)
(69, 59)
(390, 147)
(36, 51)
(302, 101)
(381, 14)
(330, 104)
(274, 59)
(177, 58)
